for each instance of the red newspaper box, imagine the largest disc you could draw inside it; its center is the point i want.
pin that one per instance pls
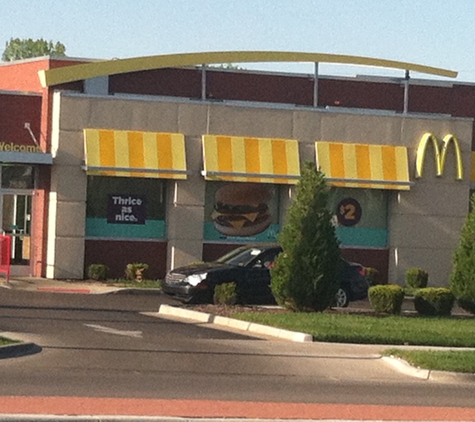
(5, 255)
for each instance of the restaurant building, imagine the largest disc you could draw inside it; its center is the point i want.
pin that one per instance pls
(166, 161)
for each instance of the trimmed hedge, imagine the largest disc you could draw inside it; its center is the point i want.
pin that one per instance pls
(225, 294)
(97, 271)
(386, 298)
(434, 301)
(416, 278)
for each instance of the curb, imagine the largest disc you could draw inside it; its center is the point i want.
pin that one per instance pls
(259, 329)
(63, 290)
(19, 349)
(404, 367)
(427, 374)
(249, 327)
(135, 291)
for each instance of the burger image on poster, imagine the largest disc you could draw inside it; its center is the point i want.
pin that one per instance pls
(241, 209)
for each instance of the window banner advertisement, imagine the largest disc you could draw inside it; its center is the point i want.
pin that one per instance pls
(126, 209)
(241, 212)
(360, 216)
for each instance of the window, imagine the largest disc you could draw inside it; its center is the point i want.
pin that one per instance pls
(361, 216)
(119, 207)
(18, 177)
(241, 212)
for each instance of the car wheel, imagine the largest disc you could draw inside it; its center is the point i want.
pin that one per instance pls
(342, 298)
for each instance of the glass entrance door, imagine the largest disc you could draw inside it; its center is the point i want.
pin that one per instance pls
(16, 222)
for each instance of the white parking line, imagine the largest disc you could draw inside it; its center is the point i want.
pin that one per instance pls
(102, 329)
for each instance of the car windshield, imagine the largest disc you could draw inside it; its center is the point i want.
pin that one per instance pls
(240, 256)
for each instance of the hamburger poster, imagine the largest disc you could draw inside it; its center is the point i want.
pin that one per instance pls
(241, 212)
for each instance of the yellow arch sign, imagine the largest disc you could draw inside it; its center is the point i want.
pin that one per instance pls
(439, 156)
(111, 67)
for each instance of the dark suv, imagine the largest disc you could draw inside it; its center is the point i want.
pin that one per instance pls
(248, 266)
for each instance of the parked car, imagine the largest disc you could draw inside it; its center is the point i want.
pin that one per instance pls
(249, 267)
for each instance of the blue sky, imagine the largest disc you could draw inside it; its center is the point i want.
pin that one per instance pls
(437, 33)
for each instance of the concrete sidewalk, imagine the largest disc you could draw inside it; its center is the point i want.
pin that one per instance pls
(68, 286)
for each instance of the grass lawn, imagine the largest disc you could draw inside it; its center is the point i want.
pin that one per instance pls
(6, 341)
(454, 361)
(397, 330)
(351, 328)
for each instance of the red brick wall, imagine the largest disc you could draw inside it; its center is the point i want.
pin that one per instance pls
(259, 87)
(172, 82)
(117, 254)
(15, 111)
(212, 251)
(375, 258)
(22, 76)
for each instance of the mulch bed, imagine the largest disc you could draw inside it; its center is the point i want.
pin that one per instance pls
(227, 311)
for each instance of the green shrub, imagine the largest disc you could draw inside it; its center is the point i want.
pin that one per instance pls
(306, 275)
(225, 294)
(135, 271)
(371, 275)
(97, 271)
(387, 299)
(434, 301)
(416, 278)
(462, 278)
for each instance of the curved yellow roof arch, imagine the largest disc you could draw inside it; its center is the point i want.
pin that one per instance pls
(111, 67)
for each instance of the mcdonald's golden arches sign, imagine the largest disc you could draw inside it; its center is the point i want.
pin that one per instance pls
(439, 155)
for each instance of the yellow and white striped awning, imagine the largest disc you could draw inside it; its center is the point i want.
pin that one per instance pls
(135, 154)
(244, 159)
(364, 166)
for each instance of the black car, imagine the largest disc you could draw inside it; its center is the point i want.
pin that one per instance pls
(248, 266)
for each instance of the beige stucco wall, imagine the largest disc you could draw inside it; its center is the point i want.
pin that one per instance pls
(424, 222)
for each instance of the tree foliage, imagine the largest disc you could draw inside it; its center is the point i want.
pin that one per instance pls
(307, 273)
(18, 49)
(462, 278)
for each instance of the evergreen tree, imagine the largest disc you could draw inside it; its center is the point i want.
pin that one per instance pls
(18, 49)
(462, 279)
(307, 273)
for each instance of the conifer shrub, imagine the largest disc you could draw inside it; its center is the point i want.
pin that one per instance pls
(416, 278)
(434, 301)
(386, 298)
(462, 278)
(97, 271)
(225, 294)
(306, 275)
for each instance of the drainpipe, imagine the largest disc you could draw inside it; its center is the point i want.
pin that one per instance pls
(203, 82)
(406, 92)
